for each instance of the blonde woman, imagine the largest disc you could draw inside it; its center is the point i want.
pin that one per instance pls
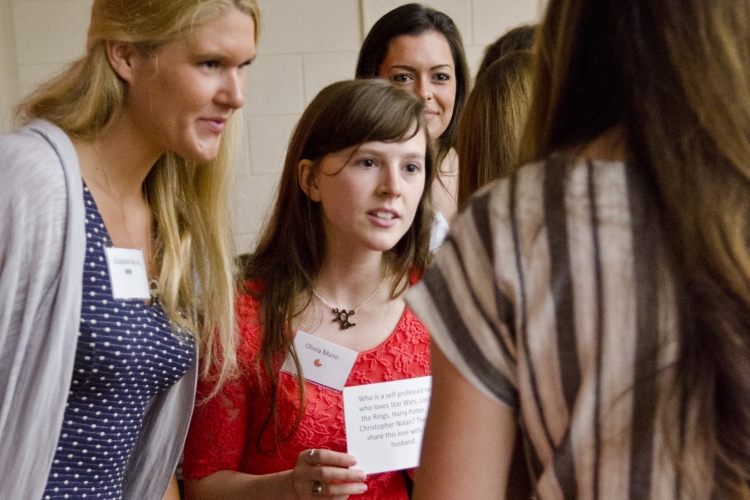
(116, 264)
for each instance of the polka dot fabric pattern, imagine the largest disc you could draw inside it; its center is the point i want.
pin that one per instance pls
(224, 431)
(126, 354)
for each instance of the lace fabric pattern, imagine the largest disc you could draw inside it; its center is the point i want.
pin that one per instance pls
(224, 431)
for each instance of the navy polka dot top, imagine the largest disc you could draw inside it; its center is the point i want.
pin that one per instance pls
(126, 354)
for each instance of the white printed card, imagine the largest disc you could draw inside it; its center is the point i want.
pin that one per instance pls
(385, 422)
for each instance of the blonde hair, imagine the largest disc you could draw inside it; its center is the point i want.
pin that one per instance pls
(489, 132)
(188, 200)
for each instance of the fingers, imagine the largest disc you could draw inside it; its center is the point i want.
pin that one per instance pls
(317, 456)
(326, 473)
(337, 489)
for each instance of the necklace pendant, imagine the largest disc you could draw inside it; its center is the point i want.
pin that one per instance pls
(342, 317)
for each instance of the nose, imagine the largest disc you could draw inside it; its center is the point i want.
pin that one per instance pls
(232, 93)
(424, 89)
(390, 181)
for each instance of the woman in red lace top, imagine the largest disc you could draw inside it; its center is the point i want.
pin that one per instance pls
(349, 232)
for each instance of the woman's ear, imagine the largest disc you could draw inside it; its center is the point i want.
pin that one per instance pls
(121, 56)
(307, 181)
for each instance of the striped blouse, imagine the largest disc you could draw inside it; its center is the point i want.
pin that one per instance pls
(552, 295)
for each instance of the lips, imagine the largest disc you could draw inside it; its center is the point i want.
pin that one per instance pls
(215, 125)
(383, 217)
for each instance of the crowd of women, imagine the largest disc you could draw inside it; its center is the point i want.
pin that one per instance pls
(585, 318)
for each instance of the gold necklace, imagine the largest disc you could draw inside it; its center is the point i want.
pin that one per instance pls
(153, 285)
(342, 315)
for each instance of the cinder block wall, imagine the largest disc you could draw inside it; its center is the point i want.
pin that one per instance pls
(304, 45)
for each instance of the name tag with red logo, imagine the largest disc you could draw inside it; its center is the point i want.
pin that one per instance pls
(322, 362)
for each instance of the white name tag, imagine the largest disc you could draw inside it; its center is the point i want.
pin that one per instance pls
(385, 422)
(322, 362)
(127, 273)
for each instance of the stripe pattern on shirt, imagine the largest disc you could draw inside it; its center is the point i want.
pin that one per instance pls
(552, 295)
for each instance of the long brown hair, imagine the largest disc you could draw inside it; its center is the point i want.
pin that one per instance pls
(489, 133)
(415, 19)
(188, 200)
(292, 246)
(674, 73)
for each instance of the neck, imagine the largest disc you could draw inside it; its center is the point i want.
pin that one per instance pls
(118, 159)
(345, 281)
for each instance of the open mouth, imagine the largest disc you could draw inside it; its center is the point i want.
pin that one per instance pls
(384, 215)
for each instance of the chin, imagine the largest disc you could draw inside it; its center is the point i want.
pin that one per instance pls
(383, 245)
(436, 131)
(200, 154)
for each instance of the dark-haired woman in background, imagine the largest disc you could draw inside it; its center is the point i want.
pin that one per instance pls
(350, 230)
(420, 50)
(601, 296)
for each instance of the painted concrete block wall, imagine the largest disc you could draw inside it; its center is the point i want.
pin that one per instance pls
(304, 45)
(9, 88)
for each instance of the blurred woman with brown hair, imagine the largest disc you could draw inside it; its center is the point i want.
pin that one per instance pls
(600, 297)
(489, 133)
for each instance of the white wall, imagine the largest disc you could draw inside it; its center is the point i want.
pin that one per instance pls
(304, 45)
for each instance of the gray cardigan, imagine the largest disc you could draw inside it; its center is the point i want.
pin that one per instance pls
(42, 251)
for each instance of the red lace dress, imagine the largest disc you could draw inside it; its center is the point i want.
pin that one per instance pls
(224, 431)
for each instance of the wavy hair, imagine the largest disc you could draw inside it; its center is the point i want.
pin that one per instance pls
(188, 199)
(291, 248)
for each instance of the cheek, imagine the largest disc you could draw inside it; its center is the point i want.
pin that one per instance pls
(338, 202)
(414, 197)
(449, 97)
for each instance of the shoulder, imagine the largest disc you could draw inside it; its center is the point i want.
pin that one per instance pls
(32, 149)
(34, 161)
(247, 307)
(413, 331)
(538, 194)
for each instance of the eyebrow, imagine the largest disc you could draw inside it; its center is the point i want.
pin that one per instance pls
(415, 156)
(212, 56)
(410, 68)
(374, 152)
